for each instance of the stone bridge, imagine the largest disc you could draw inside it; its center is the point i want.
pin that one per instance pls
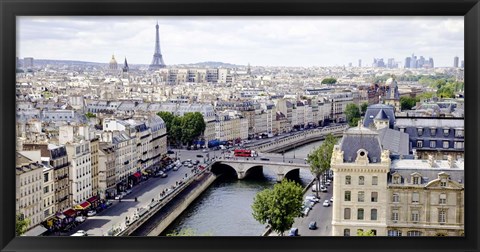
(243, 167)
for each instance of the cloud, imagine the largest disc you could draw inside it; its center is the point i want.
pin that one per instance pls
(304, 41)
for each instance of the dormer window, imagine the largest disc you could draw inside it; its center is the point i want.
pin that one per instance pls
(459, 133)
(433, 131)
(416, 180)
(446, 132)
(443, 183)
(396, 179)
(420, 131)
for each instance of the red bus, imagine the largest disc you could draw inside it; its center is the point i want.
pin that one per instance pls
(242, 153)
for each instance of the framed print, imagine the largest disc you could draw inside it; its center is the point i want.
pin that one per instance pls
(209, 125)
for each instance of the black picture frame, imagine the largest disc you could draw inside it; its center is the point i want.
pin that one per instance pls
(470, 9)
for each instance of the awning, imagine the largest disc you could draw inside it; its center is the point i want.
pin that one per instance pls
(60, 216)
(137, 174)
(36, 231)
(82, 206)
(145, 173)
(70, 212)
(93, 199)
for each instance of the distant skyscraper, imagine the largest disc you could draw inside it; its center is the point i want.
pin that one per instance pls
(420, 62)
(462, 64)
(28, 62)
(359, 63)
(157, 61)
(430, 61)
(413, 61)
(455, 62)
(407, 62)
(391, 63)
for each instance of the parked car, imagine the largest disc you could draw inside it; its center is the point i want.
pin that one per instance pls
(312, 225)
(308, 204)
(265, 159)
(176, 167)
(196, 162)
(306, 210)
(91, 213)
(190, 165)
(331, 199)
(200, 156)
(312, 198)
(293, 232)
(323, 189)
(205, 150)
(80, 219)
(326, 203)
(119, 197)
(327, 183)
(170, 152)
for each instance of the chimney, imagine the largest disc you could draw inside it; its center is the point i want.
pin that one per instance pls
(450, 160)
(431, 161)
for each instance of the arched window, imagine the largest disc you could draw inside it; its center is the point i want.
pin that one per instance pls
(361, 180)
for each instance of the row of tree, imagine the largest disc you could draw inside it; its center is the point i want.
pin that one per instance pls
(183, 129)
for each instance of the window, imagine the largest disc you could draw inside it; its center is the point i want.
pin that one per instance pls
(458, 145)
(373, 214)
(45, 189)
(396, 180)
(416, 180)
(395, 215)
(45, 177)
(374, 197)
(420, 131)
(419, 144)
(394, 233)
(395, 198)
(445, 144)
(433, 132)
(415, 215)
(348, 180)
(360, 214)
(414, 233)
(442, 215)
(402, 129)
(361, 196)
(458, 133)
(443, 183)
(374, 180)
(433, 144)
(348, 195)
(346, 232)
(442, 199)
(361, 180)
(446, 132)
(346, 213)
(415, 197)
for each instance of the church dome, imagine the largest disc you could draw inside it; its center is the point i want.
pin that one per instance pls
(113, 63)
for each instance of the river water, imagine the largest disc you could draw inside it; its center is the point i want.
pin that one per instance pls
(224, 209)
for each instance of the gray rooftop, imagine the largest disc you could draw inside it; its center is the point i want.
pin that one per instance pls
(358, 138)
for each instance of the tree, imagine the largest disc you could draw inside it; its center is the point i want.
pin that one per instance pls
(365, 233)
(407, 103)
(176, 129)
(320, 158)
(352, 112)
(329, 81)
(21, 224)
(363, 108)
(90, 115)
(167, 117)
(425, 96)
(193, 126)
(278, 207)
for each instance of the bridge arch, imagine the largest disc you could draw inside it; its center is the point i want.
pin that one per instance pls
(225, 169)
(292, 173)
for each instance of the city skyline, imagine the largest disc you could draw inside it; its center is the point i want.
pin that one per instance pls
(260, 41)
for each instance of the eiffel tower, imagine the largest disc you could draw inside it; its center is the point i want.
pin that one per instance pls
(157, 61)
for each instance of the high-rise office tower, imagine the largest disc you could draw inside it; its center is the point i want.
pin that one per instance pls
(455, 62)
(462, 64)
(430, 61)
(157, 61)
(407, 62)
(391, 63)
(359, 63)
(28, 62)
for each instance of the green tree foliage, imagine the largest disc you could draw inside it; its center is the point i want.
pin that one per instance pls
(183, 129)
(365, 233)
(407, 103)
(363, 108)
(352, 112)
(21, 225)
(90, 115)
(329, 81)
(425, 95)
(278, 207)
(319, 159)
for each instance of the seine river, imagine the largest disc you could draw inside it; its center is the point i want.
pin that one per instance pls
(224, 209)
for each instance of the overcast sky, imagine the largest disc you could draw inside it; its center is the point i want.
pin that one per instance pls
(260, 41)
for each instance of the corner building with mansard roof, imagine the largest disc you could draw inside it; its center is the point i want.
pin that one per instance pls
(403, 197)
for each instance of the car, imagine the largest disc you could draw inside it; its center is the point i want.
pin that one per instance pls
(323, 189)
(306, 210)
(108, 203)
(190, 165)
(312, 198)
(265, 159)
(312, 225)
(176, 168)
(205, 150)
(200, 156)
(293, 232)
(119, 197)
(308, 203)
(327, 183)
(331, 199)
(80, 219)
(170, 152)
(80, 233)
(196, 162)
(91, 213)
(326, 203)
(128, 191)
